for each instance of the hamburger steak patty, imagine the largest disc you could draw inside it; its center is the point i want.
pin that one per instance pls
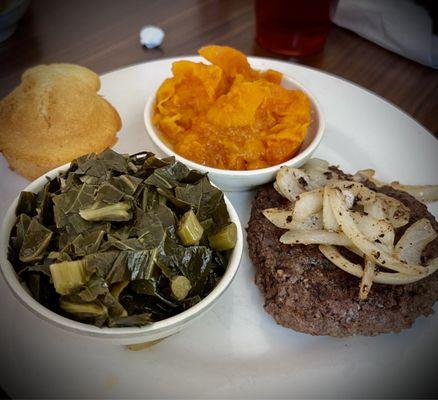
(306, 292)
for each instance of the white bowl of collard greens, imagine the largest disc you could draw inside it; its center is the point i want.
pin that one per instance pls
(129, 249)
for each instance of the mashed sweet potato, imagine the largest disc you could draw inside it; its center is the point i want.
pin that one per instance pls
(227, 115)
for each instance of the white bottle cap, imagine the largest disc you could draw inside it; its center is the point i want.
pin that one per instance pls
(151, 36)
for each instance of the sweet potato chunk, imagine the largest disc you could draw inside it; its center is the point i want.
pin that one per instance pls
(231, 61)
(227, 115)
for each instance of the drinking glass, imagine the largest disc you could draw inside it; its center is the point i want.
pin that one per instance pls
(293, 27)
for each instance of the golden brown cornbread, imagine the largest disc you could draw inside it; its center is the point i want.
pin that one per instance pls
(54, 116)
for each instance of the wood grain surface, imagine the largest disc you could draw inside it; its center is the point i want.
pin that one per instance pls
(103, 35)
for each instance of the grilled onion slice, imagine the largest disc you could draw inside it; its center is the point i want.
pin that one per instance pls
(371, 250)
(423, 193)
(366, 282)
(318, 172)
(328, 217)
(414, 240)
(312, 222)
(395, 211)
(291, 182)
(375, 230)
(329, 211)
(314, 237)
(308, 203)
(281, 218)
(355, 192)
(388, 278)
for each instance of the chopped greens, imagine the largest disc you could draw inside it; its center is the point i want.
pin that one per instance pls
(35, 241)
(122, 240)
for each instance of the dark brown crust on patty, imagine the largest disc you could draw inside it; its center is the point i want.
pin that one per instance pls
(306, 292)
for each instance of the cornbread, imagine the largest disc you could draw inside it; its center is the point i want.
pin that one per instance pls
(54, 116)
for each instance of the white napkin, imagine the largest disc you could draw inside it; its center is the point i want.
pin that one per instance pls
(397, 25)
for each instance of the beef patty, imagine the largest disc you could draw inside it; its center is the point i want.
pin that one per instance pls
(304, 291)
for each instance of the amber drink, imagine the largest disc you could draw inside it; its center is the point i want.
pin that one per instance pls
(293, 27)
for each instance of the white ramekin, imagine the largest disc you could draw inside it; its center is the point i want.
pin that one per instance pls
(124, 336)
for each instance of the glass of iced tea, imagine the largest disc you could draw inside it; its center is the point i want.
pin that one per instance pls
(293, 27)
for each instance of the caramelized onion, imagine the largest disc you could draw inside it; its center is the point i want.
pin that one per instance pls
(331, 212)
(388, 278)
(414, 240)
(308, 203)
(424, 193)
(291, 182)
(372, 250)
(314, 237)
(366, 282)
(281, 218)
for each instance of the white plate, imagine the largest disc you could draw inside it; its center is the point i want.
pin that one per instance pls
(237, 350)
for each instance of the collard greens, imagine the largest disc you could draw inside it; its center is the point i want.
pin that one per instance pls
(101, 242)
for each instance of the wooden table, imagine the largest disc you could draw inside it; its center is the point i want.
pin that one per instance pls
(103, 35)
